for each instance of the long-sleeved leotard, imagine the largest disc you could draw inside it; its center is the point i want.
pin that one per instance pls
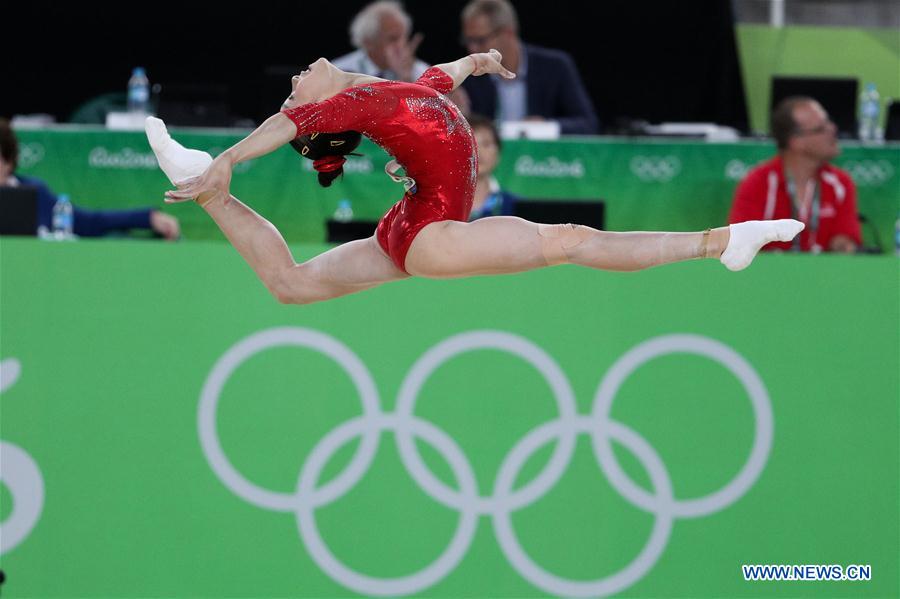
(420, 127)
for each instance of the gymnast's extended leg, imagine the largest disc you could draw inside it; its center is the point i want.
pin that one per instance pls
(506, 244)
(441, 249)
(348, 268)
(345, 269)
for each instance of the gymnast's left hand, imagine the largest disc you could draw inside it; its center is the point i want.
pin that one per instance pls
(489, 62)
(216, 179)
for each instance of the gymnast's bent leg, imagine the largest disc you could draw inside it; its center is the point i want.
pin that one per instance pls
(506, 244)
(348, 268)
(351, 267)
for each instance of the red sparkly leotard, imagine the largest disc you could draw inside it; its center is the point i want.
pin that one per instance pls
(424, 131)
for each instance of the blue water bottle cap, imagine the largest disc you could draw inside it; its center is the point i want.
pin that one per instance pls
(139, 72)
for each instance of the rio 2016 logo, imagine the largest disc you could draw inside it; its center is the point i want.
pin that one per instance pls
(504, 499)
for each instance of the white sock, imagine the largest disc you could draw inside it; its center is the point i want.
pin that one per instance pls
(747, 238)
(176, 161)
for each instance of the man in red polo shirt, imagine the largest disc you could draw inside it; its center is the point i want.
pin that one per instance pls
(799, 183)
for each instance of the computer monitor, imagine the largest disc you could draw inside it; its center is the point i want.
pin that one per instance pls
(342, 232)
(892, 122)
(837, 95)
(18, 210)
(552, 212)
(194, 105)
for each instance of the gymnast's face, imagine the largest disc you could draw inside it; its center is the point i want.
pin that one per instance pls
(316, 83)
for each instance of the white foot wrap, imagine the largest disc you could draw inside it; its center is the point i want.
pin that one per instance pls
(747, 238)
(176, 161)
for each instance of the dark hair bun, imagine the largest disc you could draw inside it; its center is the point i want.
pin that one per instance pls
(319, 147)
(325, 179)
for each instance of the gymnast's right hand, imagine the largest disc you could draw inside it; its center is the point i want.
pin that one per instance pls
(216, 180)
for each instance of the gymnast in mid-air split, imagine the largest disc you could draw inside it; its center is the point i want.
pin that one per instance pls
(426, 233)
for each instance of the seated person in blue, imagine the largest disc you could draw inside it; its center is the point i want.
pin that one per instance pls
(489, 200)
(547, 84)
(86, 223)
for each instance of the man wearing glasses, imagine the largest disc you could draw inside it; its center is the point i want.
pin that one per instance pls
(800, 183)
(547, 85)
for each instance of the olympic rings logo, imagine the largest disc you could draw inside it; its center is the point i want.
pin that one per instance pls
(737, 169)
(21, 475)
(655, 168)
(30, 154)
(869, 172)
(466, 499)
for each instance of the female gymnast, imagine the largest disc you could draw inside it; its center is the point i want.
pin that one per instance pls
(425, 234)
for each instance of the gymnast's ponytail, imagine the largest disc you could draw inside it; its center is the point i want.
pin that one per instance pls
(327, 151)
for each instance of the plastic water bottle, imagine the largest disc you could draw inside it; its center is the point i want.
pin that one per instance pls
(63, 218)
(897, 236)
(138, 91)
(869, 111)
(344, 212)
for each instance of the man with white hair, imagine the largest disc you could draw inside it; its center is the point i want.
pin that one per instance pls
(381, 34)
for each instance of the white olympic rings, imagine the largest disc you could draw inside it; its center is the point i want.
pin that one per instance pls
(655, 168)
(467, 500)
(869, 173)
(21, 475)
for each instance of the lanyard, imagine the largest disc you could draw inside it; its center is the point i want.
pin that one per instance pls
(493, 203)
(810, 215)
(491, 207)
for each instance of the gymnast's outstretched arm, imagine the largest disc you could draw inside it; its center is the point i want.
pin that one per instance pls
(475, 64)
(276, 131)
